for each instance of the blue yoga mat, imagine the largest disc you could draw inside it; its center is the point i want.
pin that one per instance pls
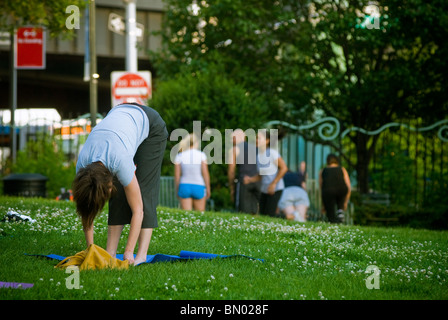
(159, 257)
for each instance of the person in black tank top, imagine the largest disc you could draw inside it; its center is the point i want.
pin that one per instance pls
(335, 189)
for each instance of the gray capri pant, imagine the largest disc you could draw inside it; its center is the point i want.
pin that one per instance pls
(293, 196)
(148, 160)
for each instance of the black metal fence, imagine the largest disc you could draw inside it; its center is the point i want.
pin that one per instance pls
(409, 161)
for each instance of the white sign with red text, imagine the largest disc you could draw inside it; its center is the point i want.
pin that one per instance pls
(129, 87)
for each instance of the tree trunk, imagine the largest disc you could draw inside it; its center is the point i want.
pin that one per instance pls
(362, 169)
(364, 154)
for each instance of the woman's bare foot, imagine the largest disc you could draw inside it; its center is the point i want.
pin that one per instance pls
(139, 260)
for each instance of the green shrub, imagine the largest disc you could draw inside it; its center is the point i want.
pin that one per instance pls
(399, 215)
(44, 156)
(427, 218)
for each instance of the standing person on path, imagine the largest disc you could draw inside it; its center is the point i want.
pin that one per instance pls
(243, 160)
(271, 169)
(121, 163)
(335, 188)
(191, 175)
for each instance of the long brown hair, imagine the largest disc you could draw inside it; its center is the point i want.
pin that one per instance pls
(92, 187)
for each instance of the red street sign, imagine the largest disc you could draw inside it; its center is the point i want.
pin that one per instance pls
(30, 48)
(130, 87)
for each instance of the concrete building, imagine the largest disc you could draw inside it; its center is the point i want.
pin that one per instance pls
(61, 85)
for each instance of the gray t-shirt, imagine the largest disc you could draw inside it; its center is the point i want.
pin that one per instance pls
(115, 140)
(268, 169)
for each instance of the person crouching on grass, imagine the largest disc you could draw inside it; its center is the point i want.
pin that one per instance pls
(121, 163)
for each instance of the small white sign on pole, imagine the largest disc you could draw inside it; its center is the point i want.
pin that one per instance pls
(117, 24)
(129, 87)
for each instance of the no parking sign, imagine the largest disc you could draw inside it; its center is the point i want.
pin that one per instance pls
(129, 87)
(29, 48)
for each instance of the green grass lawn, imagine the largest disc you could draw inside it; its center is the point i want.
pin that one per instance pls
(302, 261)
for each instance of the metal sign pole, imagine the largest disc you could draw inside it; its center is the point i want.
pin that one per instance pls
(13, 95)
(131, 36)
(93, 72)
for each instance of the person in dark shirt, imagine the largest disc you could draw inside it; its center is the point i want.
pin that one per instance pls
(296, 178)
(243, 158)
(335, 189)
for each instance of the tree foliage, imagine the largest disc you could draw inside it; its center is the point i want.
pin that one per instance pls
(50, 14)
(243, 35)
(367, 77)
(209, 96)
(307, 56)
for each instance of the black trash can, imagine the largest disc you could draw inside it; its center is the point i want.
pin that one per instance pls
(25, 185)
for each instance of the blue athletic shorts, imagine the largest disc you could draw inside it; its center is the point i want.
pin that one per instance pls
(194, 191)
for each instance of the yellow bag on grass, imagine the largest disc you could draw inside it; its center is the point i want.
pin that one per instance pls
(94, 257)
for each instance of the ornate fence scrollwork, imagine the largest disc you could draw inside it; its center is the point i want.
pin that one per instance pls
(328, 129)
(440, 133)
(443, 127)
